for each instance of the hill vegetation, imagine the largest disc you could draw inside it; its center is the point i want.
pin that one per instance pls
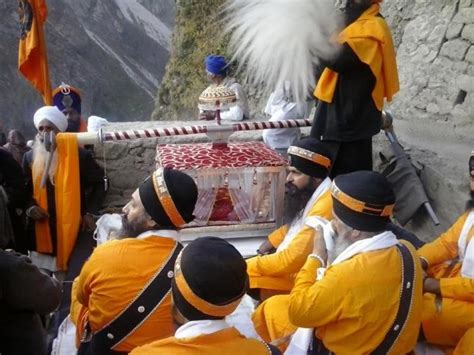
(198, 32)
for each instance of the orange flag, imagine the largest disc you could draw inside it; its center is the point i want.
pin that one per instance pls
(32, 56)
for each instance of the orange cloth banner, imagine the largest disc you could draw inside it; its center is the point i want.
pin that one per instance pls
(32, 54)
(68, 201)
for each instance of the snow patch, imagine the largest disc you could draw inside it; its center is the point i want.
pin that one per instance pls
(136, 13)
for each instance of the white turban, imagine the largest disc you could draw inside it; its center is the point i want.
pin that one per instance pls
(53, 115)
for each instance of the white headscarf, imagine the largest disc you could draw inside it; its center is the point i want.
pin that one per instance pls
(53, 115)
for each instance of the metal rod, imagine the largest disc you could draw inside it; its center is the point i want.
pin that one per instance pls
(432, 213)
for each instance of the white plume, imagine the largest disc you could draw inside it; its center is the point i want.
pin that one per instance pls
(281, 40)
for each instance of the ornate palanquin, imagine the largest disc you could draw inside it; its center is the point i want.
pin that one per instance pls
(240, 184)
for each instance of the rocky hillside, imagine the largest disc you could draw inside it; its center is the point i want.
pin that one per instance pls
(435, 52)
(197, 34)
(114, 51)
(436, 60)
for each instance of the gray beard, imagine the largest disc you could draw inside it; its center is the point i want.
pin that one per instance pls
(40, 157)
(341, 243)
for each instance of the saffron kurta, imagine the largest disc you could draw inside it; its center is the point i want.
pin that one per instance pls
(111, 279)
(277, 271)
(466, 344)
(352, 307)
(457, 307)
(228, 341)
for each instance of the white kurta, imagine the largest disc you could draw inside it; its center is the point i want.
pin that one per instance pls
(280, 107)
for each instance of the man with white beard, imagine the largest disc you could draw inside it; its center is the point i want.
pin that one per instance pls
(73, 192)
(363, 296)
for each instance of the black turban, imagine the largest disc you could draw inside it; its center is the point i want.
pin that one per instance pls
(363, 200)
(210, 279)
(169, 197)
(311, 157)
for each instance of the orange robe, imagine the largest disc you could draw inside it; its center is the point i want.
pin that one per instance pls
(466, 344)
(111, 279)
(228, 341)
(456, 315)
(67, 192)
(351, 307)
(277, 271)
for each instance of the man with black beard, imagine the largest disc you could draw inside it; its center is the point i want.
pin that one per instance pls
(448, 306)
(121, 298)
(354, 85)
(307, 195)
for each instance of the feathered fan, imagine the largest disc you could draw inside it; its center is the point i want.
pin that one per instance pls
(281, 40)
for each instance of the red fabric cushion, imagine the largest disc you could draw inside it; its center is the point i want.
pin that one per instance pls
(202, 155)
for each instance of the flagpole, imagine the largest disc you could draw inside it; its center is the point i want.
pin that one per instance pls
(32, 52)
(47, 94)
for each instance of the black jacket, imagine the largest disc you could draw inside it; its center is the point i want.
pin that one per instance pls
(25, 294)
(13, 182)
(352, 115)
(11, 178)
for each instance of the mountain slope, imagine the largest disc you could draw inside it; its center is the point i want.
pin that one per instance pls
(114, 51)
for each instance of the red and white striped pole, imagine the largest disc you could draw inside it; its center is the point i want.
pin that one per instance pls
(93, 138)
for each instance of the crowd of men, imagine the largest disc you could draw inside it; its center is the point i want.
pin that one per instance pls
(338, 276)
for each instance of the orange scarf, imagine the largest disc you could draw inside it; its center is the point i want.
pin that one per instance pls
(370, 39)
(68, 201)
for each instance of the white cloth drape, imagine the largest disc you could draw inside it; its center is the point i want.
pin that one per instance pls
(105, 225)
(199, 327)
(255, 193)
(466, 247)
(300, 222)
